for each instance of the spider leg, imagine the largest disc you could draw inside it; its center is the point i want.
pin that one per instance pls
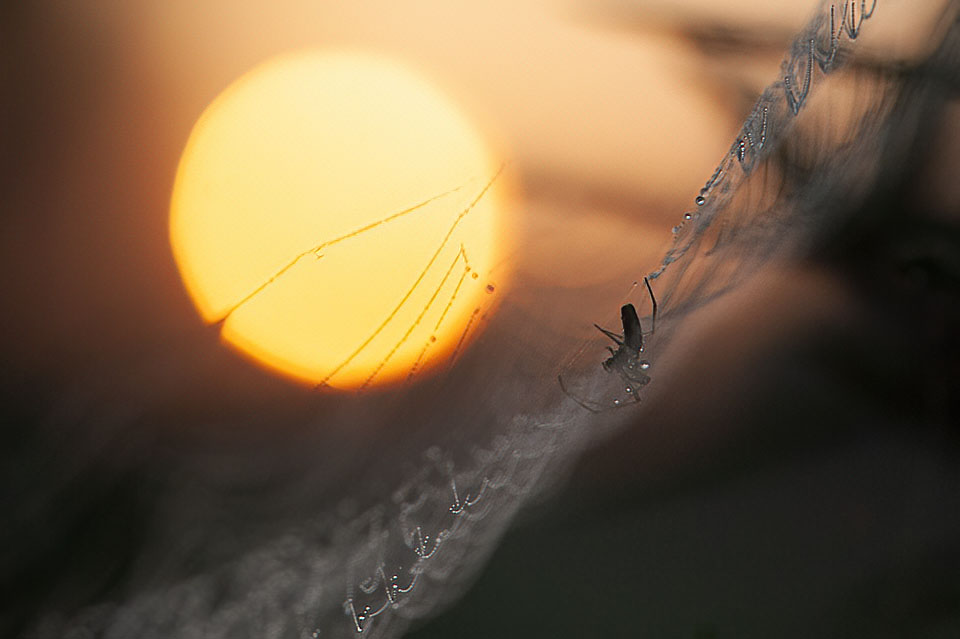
(653, 301)
(633, 385)
(581, 402)
(614, 336)
(639, 379)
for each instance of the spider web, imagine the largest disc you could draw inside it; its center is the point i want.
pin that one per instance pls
(397, 545)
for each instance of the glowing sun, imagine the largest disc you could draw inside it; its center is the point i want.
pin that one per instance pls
(341, 218)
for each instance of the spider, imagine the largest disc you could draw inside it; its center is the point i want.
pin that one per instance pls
(625, 359)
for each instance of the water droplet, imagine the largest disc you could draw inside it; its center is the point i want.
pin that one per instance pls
(701, 200)
(687, 216)
(628, 389)
(490, 288)
(616, 402)
(644, 364)
(433, 338)
(474, 275)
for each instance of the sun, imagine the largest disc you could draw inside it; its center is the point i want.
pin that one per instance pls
(341, 218)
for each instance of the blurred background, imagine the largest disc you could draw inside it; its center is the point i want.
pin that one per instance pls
(793, 473)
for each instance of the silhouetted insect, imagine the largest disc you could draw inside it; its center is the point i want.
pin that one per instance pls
(625, 359)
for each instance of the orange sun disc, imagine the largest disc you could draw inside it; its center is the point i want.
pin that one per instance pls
(341, 217)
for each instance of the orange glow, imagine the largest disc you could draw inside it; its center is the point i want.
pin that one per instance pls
(341, 217)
